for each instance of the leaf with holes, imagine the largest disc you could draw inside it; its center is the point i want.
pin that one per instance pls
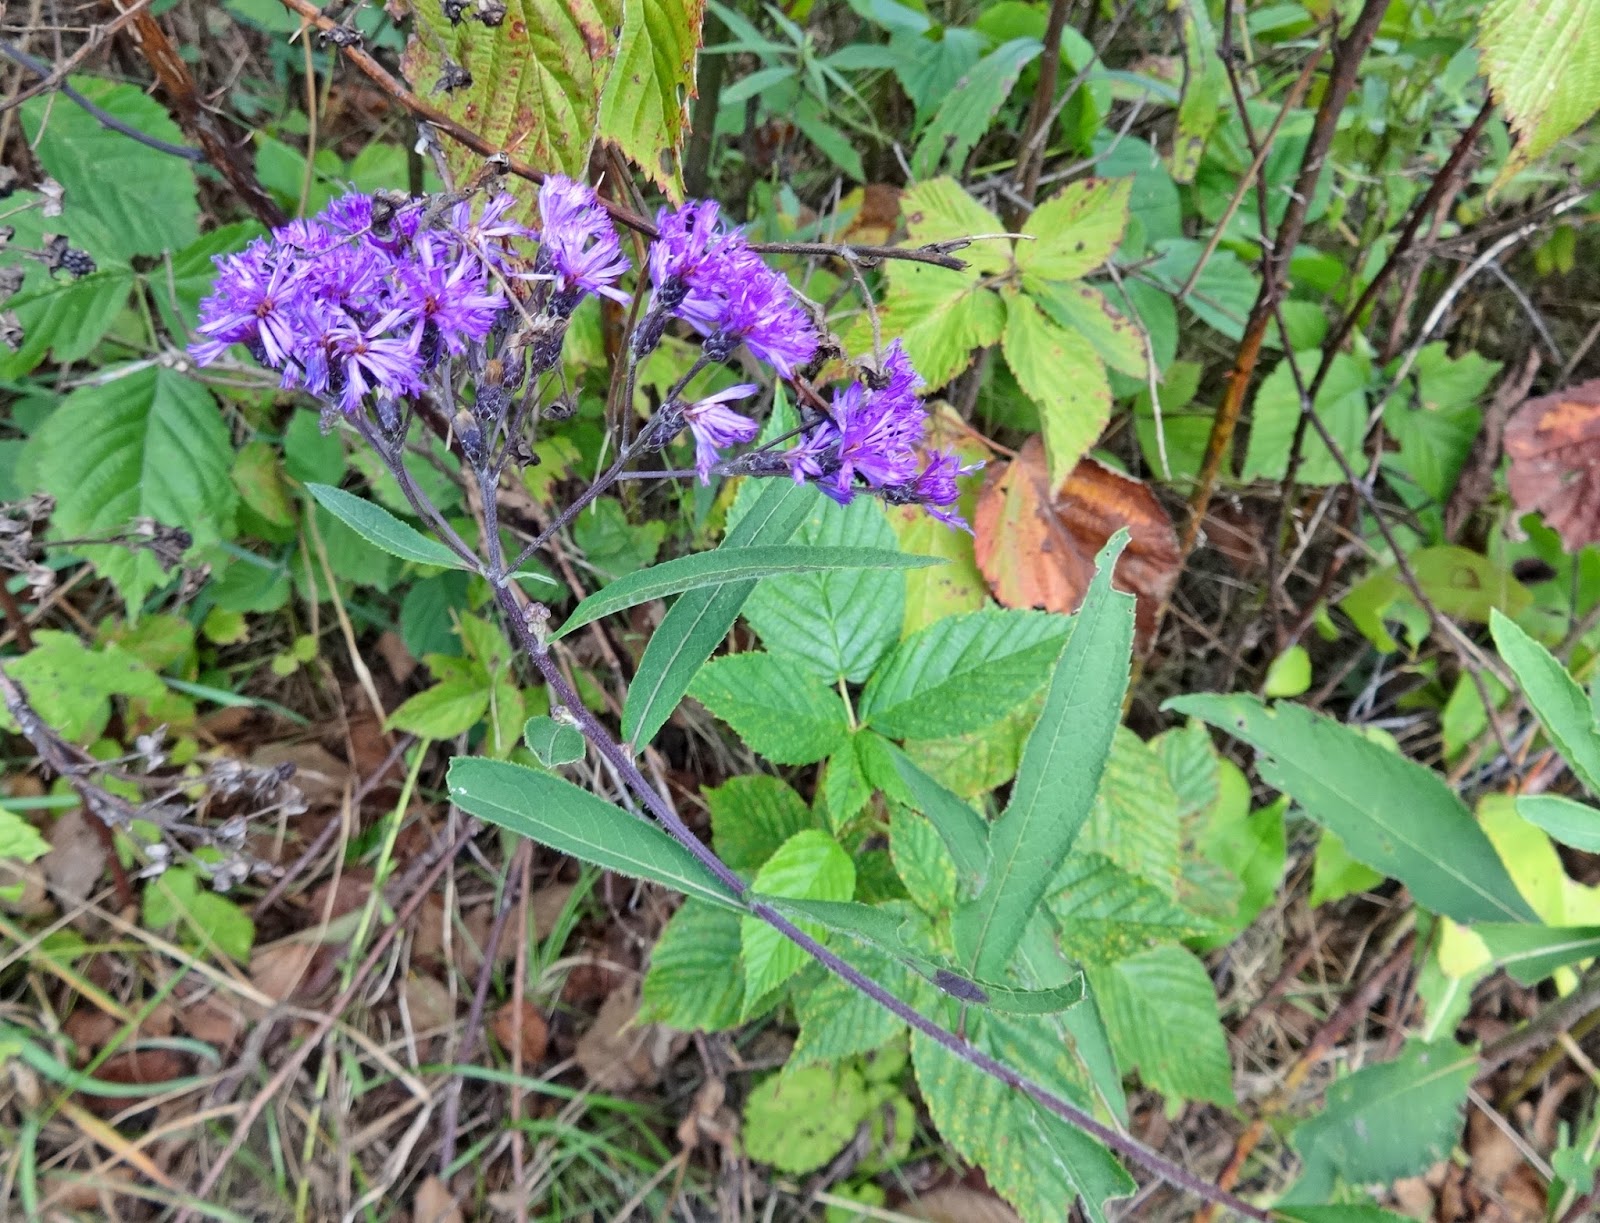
(644, 108)
(536, 78)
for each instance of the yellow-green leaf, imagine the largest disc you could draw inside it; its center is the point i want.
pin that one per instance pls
(1061, 372)
(1075, 230)
(644, 108)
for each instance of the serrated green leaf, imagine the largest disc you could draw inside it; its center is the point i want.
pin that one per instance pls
(554, 743)
(1339, 1214)
(973, 764)
(837, 1020)
(940, 318)
(1075, 230)
(800, 1119)
(955, 587)
(1036, 1161)
(1572, 823)
(177, 900)
(1059, 774)
(779, 708)
(942, 210)
(963, 672)
(1392, 814)
(19, 840)
(1118, 340)
(698, 621)
(1107, 914)
(536, 78)
(1385, 1121)
(693, 983)
(1136, 820)
(1161, 1011)
(443, 711)
(837, 624)
(378, 526)
(122, 197)
(810, 866)
(922, 861)
(644, 106)
(70, 686)
(1562, 708)
(1223, 293)
(1542, 58)
(1061, 372)
(968, 109)
(1341, 406)
(718, 567)
(554, 812)
(65, 317)
(150, 443)
(752, 816)
(963, 830)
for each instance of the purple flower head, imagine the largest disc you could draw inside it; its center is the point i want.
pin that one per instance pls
(879, 432)
(362, 359)
(934, 488)
(759, 309)
(449, 289)
(491, 234)
(252, 304)
(687, 238)
(714, 426)
(578, 245)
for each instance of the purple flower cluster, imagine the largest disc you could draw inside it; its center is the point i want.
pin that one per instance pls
(366, 297)
(708, 276)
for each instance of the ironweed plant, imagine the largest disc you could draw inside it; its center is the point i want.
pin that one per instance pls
(388, 309)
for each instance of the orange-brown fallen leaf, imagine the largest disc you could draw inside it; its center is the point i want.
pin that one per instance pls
(1554, 445)
(529, 1028)
(1036, 545)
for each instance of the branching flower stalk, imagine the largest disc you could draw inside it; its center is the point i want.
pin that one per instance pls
(382, 302)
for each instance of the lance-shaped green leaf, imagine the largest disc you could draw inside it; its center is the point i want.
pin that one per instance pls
(544, 808)
(1531, 953)
(1572, 823)
(735, 564)
(695, 624)
(1059, 774)
(961, 828)
(1563, 710)
(1386, 1121)
(967, 110)
(378, 526)
(881, 928)
(1395, 816)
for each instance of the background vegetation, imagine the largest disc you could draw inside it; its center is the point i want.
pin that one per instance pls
(1300, 294)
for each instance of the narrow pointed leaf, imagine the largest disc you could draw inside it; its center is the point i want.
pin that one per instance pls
(378, 526)
(1531, 953)
(696, 624)
(544, 808)
(1059, 774)
(961, 828)
(1391, 814)
(1572, 823)
(1563, 709)
(735, 564)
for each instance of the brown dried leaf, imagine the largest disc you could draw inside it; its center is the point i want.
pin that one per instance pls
(280, 969)
(959, 1204)
(619, 1054)
(77, 857)
(428, 1002)
(534, 1032)
(1036, 546)
(318, 774)
(153, 1066)
(1554, 445)
(434, 1203)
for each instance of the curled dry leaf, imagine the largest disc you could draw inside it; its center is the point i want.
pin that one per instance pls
(620, 1054)
(1554, 445)
(434, 1203)
(1036, 545)
(530, 1028)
